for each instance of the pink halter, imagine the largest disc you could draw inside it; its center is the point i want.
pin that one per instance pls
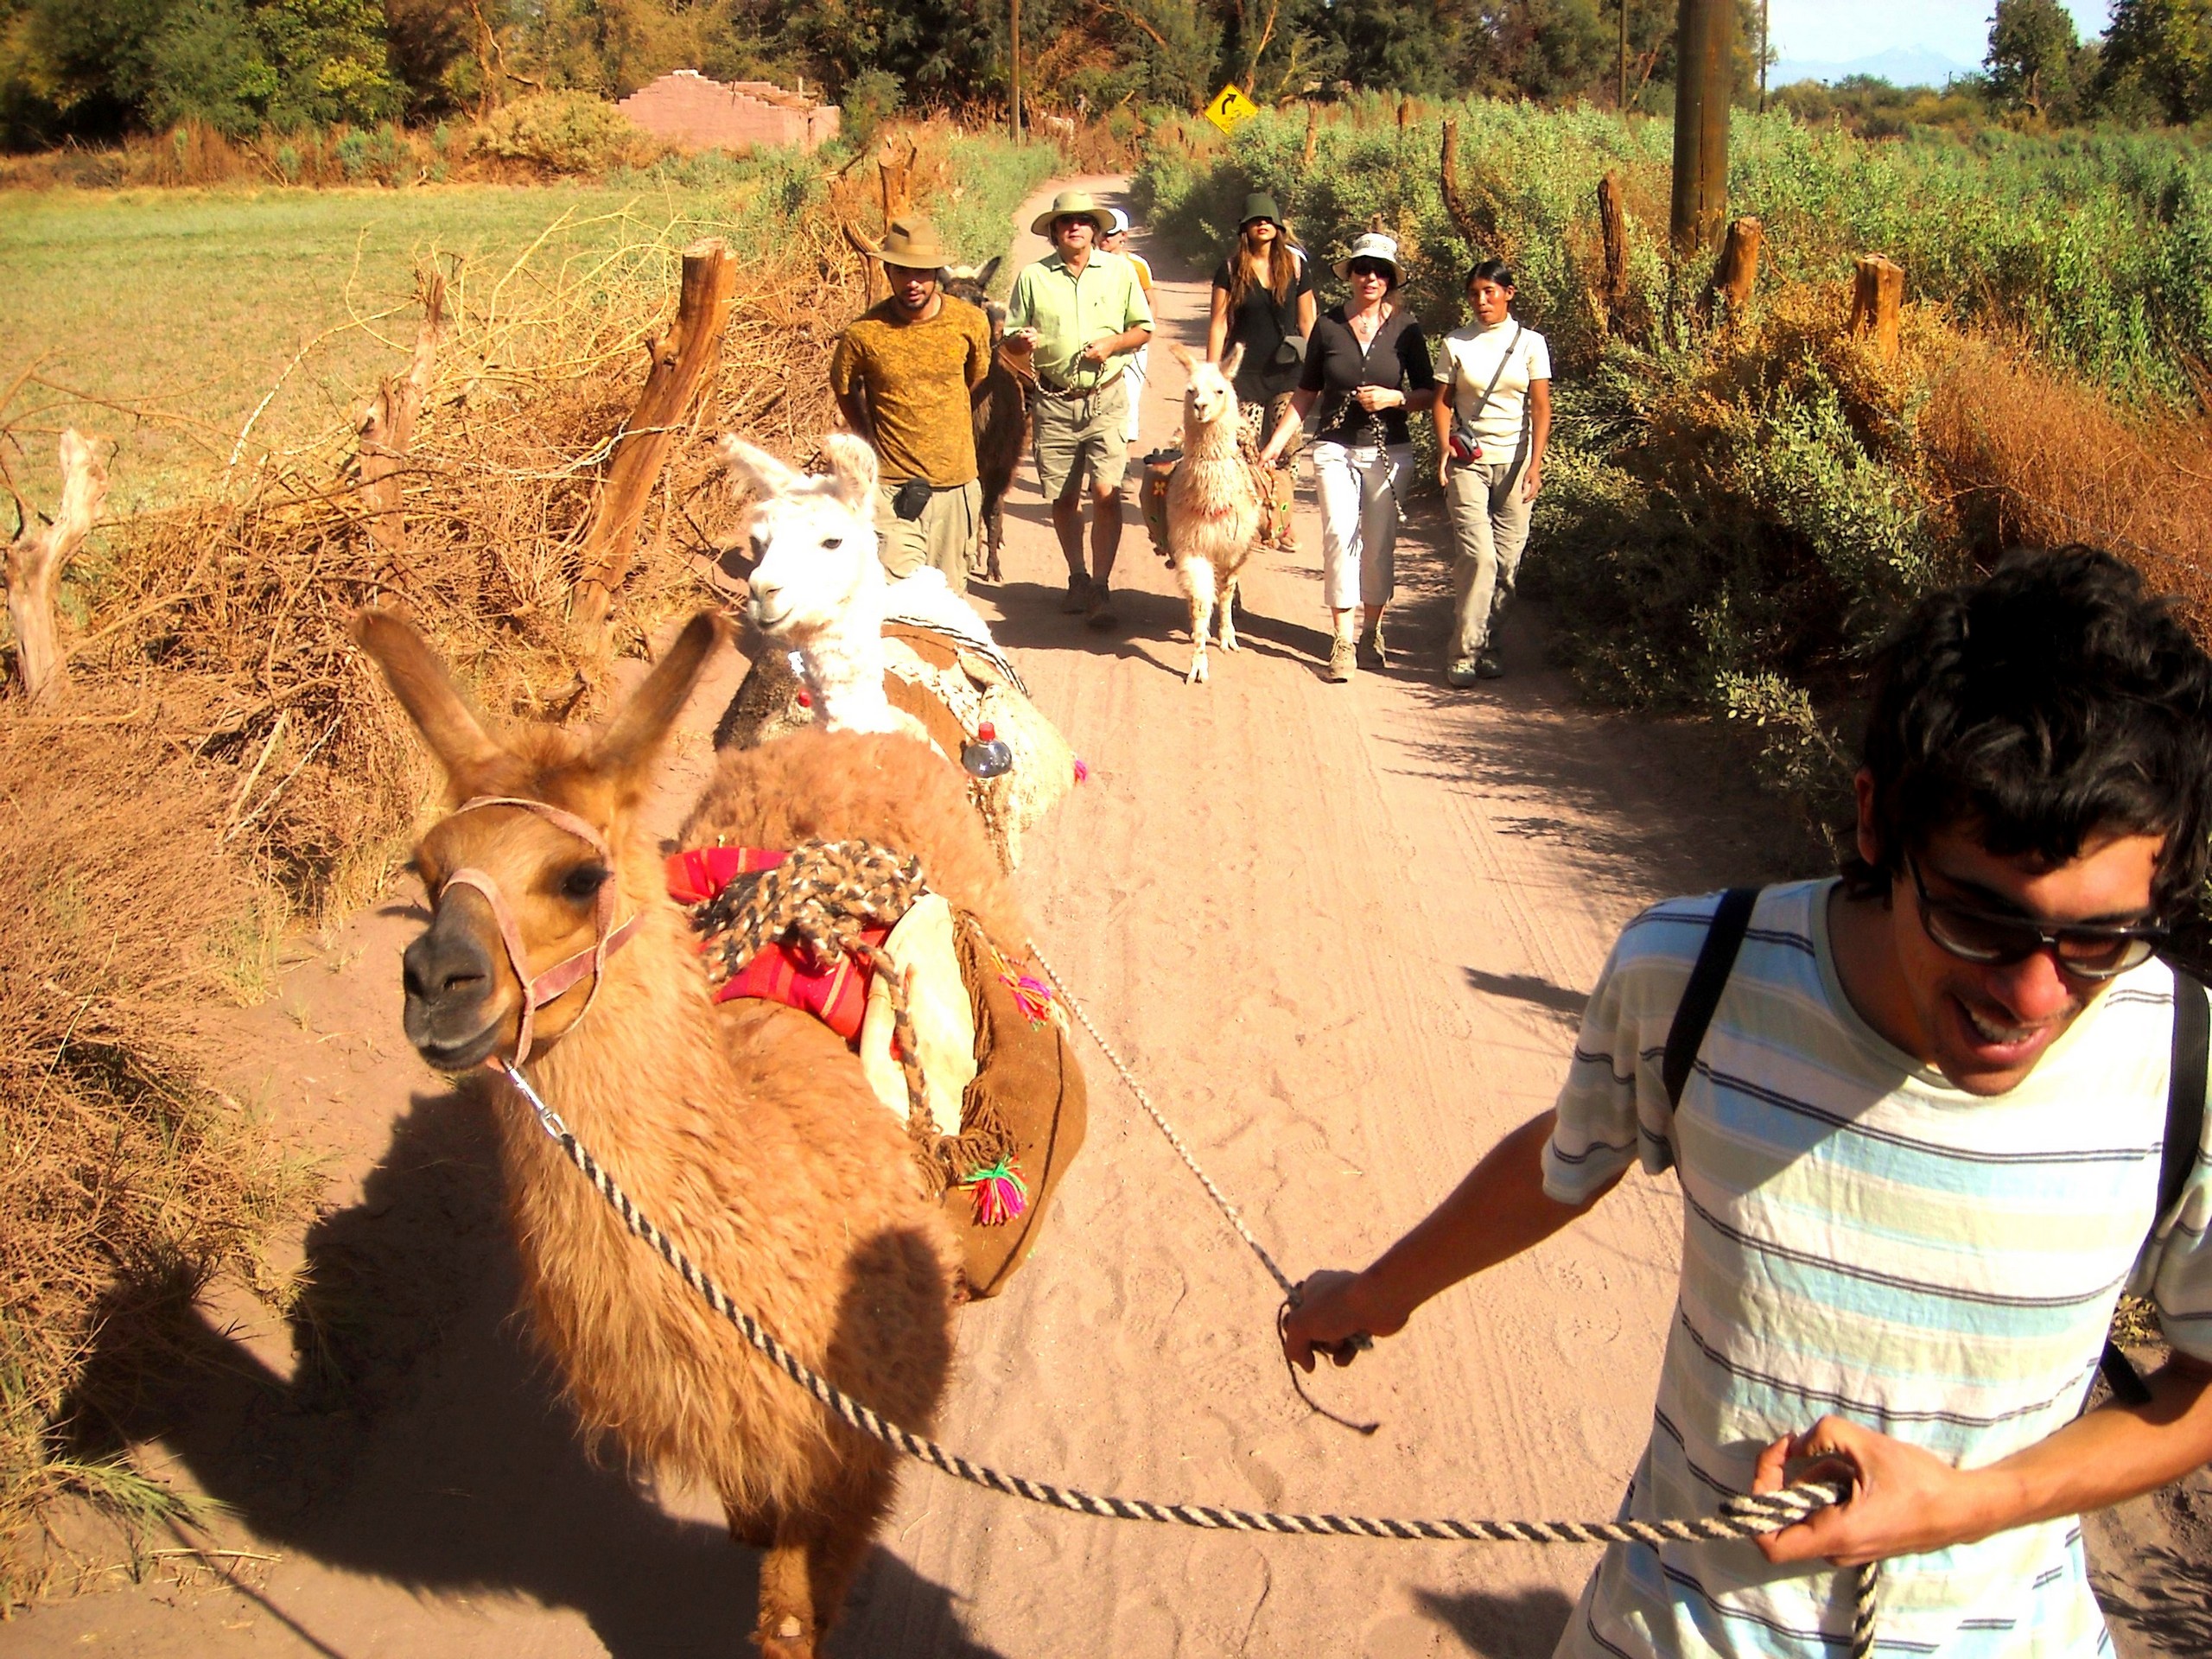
(562, 975)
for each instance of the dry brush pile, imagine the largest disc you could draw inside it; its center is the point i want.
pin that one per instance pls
(217, 756)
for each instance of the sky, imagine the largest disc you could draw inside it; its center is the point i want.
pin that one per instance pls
(1821, 31)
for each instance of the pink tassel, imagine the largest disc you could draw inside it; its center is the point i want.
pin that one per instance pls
(1000, 1194)
(1082, 770)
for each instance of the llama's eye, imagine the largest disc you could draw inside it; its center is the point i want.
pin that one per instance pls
(833, 542)
(584, 882)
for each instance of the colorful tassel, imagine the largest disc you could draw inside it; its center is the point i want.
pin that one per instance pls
(1000, 1194)
(1082, 770)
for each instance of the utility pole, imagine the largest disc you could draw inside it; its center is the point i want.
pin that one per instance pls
(1701, 89)
(1013, 99)
(1763, 56)
(1620, 98)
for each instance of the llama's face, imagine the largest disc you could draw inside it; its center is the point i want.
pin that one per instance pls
(973, 285)
(552, 876)
(1210, 396)
(813, 537)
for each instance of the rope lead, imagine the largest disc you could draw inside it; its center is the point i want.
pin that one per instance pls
(1745, 1516)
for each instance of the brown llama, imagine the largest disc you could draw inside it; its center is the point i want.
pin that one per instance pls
(1213, 508)
(746, 1128)
(1001, 406)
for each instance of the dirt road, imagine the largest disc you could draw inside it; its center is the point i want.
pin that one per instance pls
(1343, 931)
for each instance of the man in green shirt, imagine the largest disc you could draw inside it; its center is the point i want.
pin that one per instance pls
(1081, 313)
(902, 374)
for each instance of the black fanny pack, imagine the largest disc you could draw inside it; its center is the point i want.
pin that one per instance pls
(911, 496)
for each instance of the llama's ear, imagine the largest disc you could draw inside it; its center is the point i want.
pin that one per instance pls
(634, 736)
(419, 680)
(990, 270)
(1235, 360)
(1181, 354)
(756, 469)
(852, 464)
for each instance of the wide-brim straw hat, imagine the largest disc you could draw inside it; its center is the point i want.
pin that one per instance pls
(911, 244)
(1373, 245)
(1071, 204)
(1260, 205)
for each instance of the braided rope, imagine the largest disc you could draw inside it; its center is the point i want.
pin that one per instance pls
(1743, 1515)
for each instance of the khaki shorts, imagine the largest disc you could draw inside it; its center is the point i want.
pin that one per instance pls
(1076, 434)
(943, 536)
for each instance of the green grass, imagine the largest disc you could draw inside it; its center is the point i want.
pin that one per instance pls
(188, 307)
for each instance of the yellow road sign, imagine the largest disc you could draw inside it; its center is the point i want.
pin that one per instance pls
(1230, 108)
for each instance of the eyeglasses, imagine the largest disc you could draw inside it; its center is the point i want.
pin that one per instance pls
(2085, 950)
(1368, 268)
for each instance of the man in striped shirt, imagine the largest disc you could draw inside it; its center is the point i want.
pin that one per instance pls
(1919, 1153)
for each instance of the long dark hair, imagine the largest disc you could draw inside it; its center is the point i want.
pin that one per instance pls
(1282, 267)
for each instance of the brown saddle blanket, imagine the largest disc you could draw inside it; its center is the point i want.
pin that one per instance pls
(1271, 484)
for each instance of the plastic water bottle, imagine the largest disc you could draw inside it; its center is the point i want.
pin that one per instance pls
(988, 756)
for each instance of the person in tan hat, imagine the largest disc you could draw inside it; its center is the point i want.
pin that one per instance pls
(902, 374)
(1079, 314)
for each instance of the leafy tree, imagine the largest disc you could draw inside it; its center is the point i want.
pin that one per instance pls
(2162, 47)
(2032, 48)
(206, 63)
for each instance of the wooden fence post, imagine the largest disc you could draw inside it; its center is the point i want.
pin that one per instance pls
(1876, 302)
(388, 431)
(1704, 34)
(1475, 222)
(1612, 226)
(682, 358)
(37, 559)
(1737, 271)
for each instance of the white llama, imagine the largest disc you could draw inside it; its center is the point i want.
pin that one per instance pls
(1213, 511)
(817, 591)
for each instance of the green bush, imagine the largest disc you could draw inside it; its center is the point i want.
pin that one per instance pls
(561, 133)
(868, 101)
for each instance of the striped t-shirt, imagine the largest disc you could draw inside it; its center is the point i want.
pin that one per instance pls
(1861, 1239)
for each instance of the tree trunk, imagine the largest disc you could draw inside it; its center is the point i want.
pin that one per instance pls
(1737, 271)
(1876, 301)
(682, 358)
(387, 433)
(895, 179)
(1703, 64)
(35, 561)
(1477, 224)
(1312, 136)
(878, 286)
(1612, 225)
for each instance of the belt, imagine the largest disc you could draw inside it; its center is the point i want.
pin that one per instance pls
(1070, 394)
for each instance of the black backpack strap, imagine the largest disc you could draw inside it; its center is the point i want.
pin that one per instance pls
(1731, 919)
(2192, 1053)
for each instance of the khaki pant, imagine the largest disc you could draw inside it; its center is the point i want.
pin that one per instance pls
(1490, 528)
(943, 536)
(1075, 434)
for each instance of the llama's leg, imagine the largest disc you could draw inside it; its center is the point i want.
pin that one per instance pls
(749, 1527)
(993, 534)
(1228, 615)
(1198, 582)
(789, 1626)
(806, 1577)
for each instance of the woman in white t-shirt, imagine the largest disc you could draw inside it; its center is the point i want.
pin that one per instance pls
(1493, 415)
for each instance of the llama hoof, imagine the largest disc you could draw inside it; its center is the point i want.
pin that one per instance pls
(788, 1637)
(1228, 641)
(1197, 674)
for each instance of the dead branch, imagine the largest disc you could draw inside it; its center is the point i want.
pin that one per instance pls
(388, 431)
(1475, 222)
(683, 359)
(1612, 227)
(871, 262)
(35, 561)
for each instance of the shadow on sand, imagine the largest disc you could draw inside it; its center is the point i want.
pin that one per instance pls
(1523, 1626)
(422, 1440)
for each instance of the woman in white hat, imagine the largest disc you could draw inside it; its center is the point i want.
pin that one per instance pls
(1367, 366)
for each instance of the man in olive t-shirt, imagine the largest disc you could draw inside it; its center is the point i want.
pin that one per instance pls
(902, 375)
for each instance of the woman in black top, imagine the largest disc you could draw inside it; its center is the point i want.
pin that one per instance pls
(1367, 366)
(1262, 299)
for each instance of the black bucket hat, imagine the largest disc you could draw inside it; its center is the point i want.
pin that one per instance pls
(1260, 205)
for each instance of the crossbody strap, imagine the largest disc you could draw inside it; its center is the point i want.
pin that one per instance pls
(1472, 416)
(2192, 1051)
(1731, 919)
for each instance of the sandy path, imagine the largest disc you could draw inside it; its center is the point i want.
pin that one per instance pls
(1342, 932)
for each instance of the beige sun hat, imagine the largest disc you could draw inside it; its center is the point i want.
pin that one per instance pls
(1372, 246)
(911, 243)
(1071, 204)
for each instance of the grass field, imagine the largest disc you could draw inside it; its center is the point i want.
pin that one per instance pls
(187, 307)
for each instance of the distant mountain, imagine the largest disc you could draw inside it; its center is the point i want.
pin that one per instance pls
(1901, 66)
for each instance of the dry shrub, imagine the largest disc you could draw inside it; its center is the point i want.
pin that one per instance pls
(125, 1181)
(2045, 461)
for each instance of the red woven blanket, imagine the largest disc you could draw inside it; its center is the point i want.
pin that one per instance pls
(836, 995)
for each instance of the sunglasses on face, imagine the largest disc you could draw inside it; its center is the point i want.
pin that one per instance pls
(1368, 268)
(2085, 950)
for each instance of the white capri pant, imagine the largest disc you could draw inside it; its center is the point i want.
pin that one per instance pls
(1360, 485)
(1138, 371)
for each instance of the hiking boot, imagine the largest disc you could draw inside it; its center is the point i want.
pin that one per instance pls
(1462, 674)
(1343, 660)
(1078, 599)
(1371, 652)
(1487, 665)
(1099, 611)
